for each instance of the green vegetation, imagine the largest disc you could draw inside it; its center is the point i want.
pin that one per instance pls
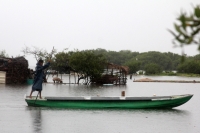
(187, 29)
(90, 62)
(133, 65)
(152, 68)
(60, 62)
(140, 61)
(189, 66)
(87, 63)
(164, 62)
(168, 74)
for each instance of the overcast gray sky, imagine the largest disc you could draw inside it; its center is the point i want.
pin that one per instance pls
(136, 25)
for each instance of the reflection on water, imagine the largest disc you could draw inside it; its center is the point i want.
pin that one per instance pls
(15, 113)
(94, 120)
(36, 119)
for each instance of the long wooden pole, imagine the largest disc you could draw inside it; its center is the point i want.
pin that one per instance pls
(36, 97)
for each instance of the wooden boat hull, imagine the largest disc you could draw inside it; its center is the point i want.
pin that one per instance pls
(157, 102)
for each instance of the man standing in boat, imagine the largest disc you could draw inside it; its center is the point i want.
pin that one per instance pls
(39, 77)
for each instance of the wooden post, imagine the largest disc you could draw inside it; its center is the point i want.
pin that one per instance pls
(130, 76)
(69, 77)
(123, 93)
(75, 77)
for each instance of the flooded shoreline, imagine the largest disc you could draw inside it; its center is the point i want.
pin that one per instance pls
(15, 113)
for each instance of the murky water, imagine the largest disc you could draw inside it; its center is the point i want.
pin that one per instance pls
(16, 116)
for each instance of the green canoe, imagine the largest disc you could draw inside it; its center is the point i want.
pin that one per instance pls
(155, 102)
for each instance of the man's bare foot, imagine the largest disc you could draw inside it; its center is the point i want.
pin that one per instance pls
(40, 97)
(30, 96)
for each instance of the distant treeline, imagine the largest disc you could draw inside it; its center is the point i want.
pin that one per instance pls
(152, 62)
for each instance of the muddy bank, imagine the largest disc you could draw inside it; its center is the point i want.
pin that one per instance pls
(170, 81)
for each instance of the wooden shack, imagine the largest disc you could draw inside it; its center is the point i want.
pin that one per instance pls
(16, 69)
(113, 74)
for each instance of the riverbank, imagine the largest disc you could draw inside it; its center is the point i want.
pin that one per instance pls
(168, 81)
(176, 74)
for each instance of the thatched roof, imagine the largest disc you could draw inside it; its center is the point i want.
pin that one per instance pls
(124, 69)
